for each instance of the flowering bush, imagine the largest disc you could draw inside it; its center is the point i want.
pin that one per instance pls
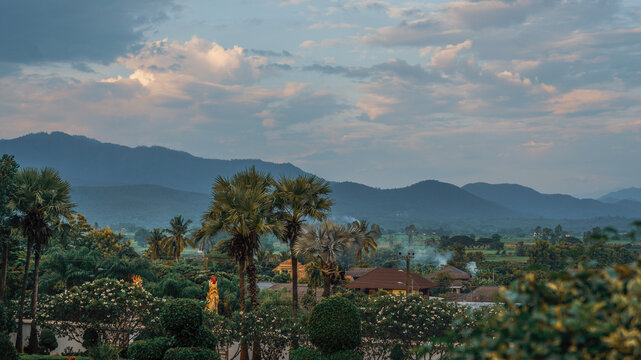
(274, 327)
(115, 309)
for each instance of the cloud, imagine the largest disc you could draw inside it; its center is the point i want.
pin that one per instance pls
(447, 56)
(332, 26)
(581, 100)
(537, 147)
(271, 53)
(35, 31)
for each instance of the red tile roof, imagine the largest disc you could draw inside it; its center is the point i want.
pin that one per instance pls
(390, 279)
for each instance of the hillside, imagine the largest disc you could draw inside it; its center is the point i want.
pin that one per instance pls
(633, 194)
(532, 203)
(88, 162)
(147, 205)
(148, 185)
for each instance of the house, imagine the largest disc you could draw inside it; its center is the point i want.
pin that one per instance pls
(356, 272)
(392, 280)
(286, 267)
(458, 276)
(483, 294)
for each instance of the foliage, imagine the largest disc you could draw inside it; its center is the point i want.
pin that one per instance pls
(104, 241)
(103, 352)
(182, 319)
(183, 353)
(282, 277)
(7, 348)
(176, 240)
(275, 326)
(152, 349)
(7, 322)
(304, 353)
(47, 342)
(115, 309)
(345, 355)
(563, 255)
(397, 352)
(63, 269)
(585, 314)
(335, 325)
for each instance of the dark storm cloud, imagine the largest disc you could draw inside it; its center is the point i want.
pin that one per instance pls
(33, 31)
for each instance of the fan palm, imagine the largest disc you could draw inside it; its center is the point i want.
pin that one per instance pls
(41, 200)
(155, 242)
(243, 208)
(299, 199)
(177, 240)
(370, 234)
(63, 269)
(326, 242)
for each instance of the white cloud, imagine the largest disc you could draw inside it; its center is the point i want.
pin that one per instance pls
(444, 57)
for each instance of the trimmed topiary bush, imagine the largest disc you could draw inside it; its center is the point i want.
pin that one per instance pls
(335, 325)
(183, 353)
(90, 338)
(7, 349)
(303, 353)
(182, 319)
(345, 355)
(47, 341)
(153, 349)
(397, 352)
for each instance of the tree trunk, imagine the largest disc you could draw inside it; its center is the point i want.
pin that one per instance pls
(19, 344)
(253, 298)
(294, 344)
(33, 337)
(244, 351)
(5, 268)
(327, 285)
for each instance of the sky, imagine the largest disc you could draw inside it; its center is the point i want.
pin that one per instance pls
(545, 93)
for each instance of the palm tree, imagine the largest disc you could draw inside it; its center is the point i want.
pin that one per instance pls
(242, 207)
(155, 241)
(326, 242)
(8, 171)
(298, 199)
(370, 234)
(176, 242)
(63, 269)
(41, 200)
(410, 231)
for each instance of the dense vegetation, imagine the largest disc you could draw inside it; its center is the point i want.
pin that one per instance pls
(74, 280)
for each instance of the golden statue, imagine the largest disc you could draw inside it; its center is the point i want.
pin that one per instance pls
(137, 280)
(212, 296)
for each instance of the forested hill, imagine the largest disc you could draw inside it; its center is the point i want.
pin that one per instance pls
(149, 185)
(88, 162)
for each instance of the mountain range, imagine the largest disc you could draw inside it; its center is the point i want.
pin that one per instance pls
(148, 185)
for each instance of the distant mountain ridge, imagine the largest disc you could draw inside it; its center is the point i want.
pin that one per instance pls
(88, 162)
(633, 194)
(532, 203)
(148, 185)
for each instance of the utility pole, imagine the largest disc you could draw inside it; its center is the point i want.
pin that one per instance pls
(407, 258)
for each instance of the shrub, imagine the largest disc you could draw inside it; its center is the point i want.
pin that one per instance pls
(153, 349)
(345, 355)
(183, 353)
(303, 353)
(90, 338)
(397, 352)
(182, 318)
(47, 341)
(192, 292)
(7, 349)
(335, 325)
(103, 352)
(7, 322)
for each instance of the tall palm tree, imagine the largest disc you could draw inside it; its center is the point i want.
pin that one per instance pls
(177, 240)
(8, 171)
(41, 200)
(370, 234)
(243, 207)
(326, 242)
(298, 199)
(155, 241)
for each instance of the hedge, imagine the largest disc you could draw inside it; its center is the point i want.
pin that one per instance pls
(335, 325)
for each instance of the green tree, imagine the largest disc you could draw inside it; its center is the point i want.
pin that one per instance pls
(42, 199)
(326, 242)
(155, 240)
(177, 241)
(410, 231)
(8, 171)
(297, 200)
(63, 269)
(370, 233)
(244, 208)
